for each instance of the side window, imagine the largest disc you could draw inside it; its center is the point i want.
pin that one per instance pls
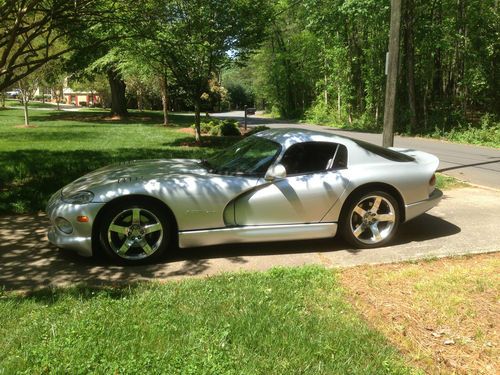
(309, 157)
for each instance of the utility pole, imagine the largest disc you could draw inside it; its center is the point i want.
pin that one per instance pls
(392, 74)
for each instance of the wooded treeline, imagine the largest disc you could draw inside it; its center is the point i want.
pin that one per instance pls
(325, 59)
(322, 60)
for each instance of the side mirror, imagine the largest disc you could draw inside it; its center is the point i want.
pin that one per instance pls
(275, 172)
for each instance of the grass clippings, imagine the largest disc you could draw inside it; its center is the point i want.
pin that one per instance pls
(443, 314)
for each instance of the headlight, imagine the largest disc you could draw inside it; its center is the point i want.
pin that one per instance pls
(81, 197)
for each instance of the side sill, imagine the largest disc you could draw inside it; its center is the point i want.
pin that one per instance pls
(256, 233)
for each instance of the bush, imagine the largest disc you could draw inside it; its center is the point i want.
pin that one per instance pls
(257, 129)
(226, 128)
(319, 113)
(41, 97)
(230, 128)
(215, 131)
(216, 127)
(206, 125)
(487, 133)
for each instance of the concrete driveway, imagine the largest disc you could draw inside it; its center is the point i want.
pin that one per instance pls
(466, 221)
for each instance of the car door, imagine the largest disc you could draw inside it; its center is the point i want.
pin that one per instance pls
(316, 177)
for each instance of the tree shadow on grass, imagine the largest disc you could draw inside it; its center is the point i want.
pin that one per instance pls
(102, 118)
(50, 135)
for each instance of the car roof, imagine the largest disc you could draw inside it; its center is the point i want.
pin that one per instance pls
(290, 136)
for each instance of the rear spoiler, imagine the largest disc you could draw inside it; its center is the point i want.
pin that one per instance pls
(424, 159)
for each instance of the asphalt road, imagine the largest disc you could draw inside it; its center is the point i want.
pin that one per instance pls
(465, 222)
(474, 164)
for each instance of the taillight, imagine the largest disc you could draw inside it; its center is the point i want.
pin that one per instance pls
(432, 184)
(432, 181)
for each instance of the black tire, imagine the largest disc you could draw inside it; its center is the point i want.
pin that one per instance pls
(137, 245)
(361, 230)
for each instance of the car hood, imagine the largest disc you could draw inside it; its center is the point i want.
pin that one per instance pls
(135, 171)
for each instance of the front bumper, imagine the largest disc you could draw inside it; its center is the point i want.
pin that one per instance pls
(415, 209)
(80, 239)
(82, 245)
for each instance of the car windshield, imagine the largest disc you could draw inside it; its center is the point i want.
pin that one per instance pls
(251, 156)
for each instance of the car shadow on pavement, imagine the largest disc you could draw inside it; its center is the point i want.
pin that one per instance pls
(28, 262)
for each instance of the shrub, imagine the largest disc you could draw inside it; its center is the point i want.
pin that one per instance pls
(41, 97)
(216, 127)
(229, 128)
(207, 125)
(487, 133)
(319, 113)
(215, 131)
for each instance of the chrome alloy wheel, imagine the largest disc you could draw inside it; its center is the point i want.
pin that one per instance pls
(373, 219)
(135, 233)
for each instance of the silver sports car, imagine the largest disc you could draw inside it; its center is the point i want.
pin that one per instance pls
(275, 185)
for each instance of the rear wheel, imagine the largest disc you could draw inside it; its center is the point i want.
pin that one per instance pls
(135, 233)
(370, 219)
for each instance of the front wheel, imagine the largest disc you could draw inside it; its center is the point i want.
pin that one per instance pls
(135, 233)
(370, 220)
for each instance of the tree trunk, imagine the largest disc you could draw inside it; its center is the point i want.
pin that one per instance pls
(164, 98)
(425, 106)
(197, 120)
(25, 106)
(437, 84)
(118, 100)
(140, 100)
(2, 98)
(325, 93)
(339, 103)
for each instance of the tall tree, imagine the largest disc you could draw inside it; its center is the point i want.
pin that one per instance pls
(34, 32)
(198, 37)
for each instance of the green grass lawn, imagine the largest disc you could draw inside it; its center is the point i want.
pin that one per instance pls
(62, 146)
(285, 321)
(31, 104)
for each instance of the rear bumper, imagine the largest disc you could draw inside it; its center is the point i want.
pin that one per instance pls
(82, 245)
(415, 209)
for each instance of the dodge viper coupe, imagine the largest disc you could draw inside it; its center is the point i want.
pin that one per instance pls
(276, 185)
